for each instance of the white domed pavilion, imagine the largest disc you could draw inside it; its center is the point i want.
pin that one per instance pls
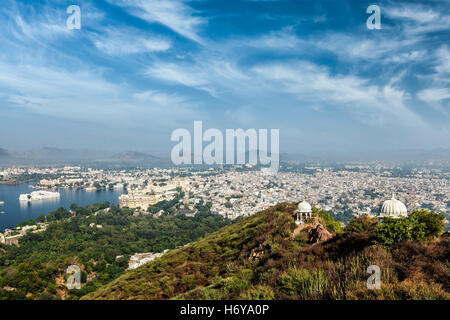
(303, 208)
(393, 208)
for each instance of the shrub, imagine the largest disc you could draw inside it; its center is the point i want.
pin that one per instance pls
(421, 225)
(260, 292)
(303, 283)
(362, 224)
(392, 231)
(433, 221)
(412, 290)
(328, 221)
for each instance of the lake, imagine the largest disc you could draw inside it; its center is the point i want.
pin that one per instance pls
(17, 211)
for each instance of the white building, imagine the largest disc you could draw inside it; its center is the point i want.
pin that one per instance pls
(303, 208)
(39, 195)
(393, 208)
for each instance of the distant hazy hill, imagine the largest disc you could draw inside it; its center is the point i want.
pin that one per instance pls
(398, 155)
(265, 257)
(287, 157)
(63, 156)
(134, 158)
(58, 156)
(47, 153)
(3, 153)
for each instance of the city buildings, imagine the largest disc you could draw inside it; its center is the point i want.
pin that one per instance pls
(232, 192)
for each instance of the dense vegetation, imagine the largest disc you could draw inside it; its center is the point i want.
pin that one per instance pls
(328, 221)
(421, 225)
(93, 240)
(263, 257)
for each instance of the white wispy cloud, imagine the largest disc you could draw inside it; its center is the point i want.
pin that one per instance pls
(85, 95)
(284, 39)
(418, 18)
(208, 73)
(438, 98)
(174, 14)
(412, 12)
(434, 94)
(181, 74)
(118, 42)
(54, 91)
(405, 57)
(314, 84)
(31, 25)
(348, 47)
(42, 28)
(374, 48)
(160, 98)
(442, 64)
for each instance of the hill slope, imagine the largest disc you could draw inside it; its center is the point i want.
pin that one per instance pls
(258, 258)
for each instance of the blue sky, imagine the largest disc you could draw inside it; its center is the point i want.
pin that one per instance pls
(139, 69)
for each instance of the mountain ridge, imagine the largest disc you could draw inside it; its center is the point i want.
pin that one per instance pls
(60, 156)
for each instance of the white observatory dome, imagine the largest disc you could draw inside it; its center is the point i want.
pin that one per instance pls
(393, 208)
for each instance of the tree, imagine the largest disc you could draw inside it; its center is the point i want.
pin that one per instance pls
(30, 222)
(433, 221)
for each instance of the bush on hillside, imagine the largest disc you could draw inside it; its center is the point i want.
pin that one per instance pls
(421, 225)
(328, 221)
(362, 224)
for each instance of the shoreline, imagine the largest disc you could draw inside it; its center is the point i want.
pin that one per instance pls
(15, 182)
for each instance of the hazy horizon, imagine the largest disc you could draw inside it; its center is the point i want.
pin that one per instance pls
(67, 155)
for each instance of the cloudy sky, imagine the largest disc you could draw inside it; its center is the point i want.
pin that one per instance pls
(138, 69)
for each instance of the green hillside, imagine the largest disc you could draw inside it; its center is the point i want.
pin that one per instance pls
(261, 257)
(37, 268)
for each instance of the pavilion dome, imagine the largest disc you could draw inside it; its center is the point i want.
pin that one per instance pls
(304, 207)
(393, 208)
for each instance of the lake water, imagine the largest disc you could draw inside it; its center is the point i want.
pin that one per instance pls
(17, 211)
